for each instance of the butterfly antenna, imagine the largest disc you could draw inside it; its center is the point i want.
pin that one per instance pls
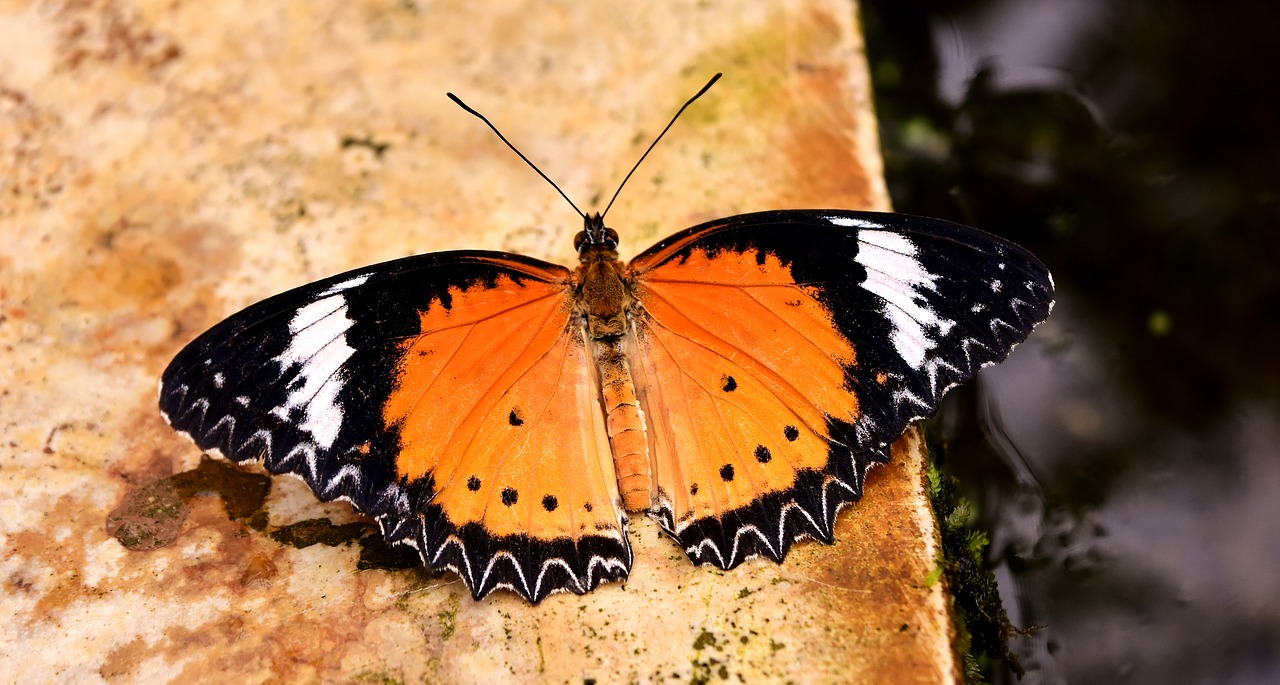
(655, 140)
(514, 149)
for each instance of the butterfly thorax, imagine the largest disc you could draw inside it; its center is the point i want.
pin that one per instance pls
(603, 296)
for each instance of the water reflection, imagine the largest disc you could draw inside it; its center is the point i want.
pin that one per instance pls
(1126, 457)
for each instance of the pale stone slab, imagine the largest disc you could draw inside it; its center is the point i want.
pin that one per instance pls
(168, 163)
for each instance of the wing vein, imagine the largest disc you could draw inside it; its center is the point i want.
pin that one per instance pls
(560, 374)
(717, 400)
(775, 376)
(476, 406)
(730, 284)
(487, 317)
(413, 409)
(793, 327)
(688, 411)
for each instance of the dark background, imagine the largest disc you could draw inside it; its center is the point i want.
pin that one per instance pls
(1125, 459)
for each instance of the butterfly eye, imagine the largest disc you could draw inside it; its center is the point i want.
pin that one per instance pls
(595, 236)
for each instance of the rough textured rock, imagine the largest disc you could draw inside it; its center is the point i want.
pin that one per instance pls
(166, 164)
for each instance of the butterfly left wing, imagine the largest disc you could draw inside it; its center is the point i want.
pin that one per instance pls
(448, 395)
(778, 354)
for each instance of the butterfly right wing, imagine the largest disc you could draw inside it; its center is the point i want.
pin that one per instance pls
(449, 395)
(778, 354)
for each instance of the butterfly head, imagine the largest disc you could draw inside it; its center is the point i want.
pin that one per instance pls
(595, 234)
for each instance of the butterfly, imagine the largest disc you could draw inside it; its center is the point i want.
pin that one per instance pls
(503, 415)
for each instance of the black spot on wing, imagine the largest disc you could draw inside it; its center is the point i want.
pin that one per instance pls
(729, 384)
(726, 472)
(514, 419)
(473, 484)
(550, 503)
(510, 496)
(763, 455)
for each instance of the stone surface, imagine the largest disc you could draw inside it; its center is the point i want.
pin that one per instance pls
(166, 164)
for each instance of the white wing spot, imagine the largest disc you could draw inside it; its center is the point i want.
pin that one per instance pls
(345, 285)
(897, 277)
(850, 222)
(319, 346)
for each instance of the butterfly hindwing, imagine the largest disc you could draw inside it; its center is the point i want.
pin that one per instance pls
(398, 387)
(778, 354)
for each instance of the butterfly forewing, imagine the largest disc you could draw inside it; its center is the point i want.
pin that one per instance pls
(780, 353)
(447, 395)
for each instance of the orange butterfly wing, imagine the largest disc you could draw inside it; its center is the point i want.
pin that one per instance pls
(776, 356)
(448, 395)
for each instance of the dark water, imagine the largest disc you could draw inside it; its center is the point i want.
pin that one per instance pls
(1127, 459)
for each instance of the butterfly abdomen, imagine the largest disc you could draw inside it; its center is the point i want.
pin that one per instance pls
(625, 423)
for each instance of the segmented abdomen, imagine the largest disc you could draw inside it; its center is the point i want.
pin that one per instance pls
(625, 423)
